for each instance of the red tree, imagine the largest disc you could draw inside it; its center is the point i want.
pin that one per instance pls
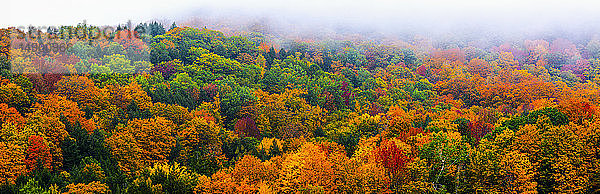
(478, 130)
(246, 127)
(392, 158)
(38, 154)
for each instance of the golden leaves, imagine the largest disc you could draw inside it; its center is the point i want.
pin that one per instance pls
(93, 187)
(309, 169)
(82, 90)
(399, 120)
(199, 133)
(54, 106)
(518, 173)
(13, 95)
(123, 96)
(11, 162)
(142, 142)
(11, 115)
(286, 115)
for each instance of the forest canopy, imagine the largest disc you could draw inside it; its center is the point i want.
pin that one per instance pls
(181, 109)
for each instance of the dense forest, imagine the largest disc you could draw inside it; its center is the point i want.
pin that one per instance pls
(188, 110)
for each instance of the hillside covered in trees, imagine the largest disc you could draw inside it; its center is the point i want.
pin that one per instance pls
(188, 110)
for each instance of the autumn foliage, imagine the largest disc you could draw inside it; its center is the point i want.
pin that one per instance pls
(189, 110)
(38, 154)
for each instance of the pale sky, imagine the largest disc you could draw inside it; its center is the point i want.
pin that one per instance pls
(383, 13)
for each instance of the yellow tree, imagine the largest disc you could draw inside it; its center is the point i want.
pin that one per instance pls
(164, 178)
(250, 170)
(122, 96)
(309, 170)
(93, 187)
(494, 167)
(286, 115)
(142, 143)
(82, 90)
(565, 154)
(591, 133)
(517, 173)
(178, 114)
(399, 121)
(127, 152)
(199, 133)
(14, 96)
(11, 162)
